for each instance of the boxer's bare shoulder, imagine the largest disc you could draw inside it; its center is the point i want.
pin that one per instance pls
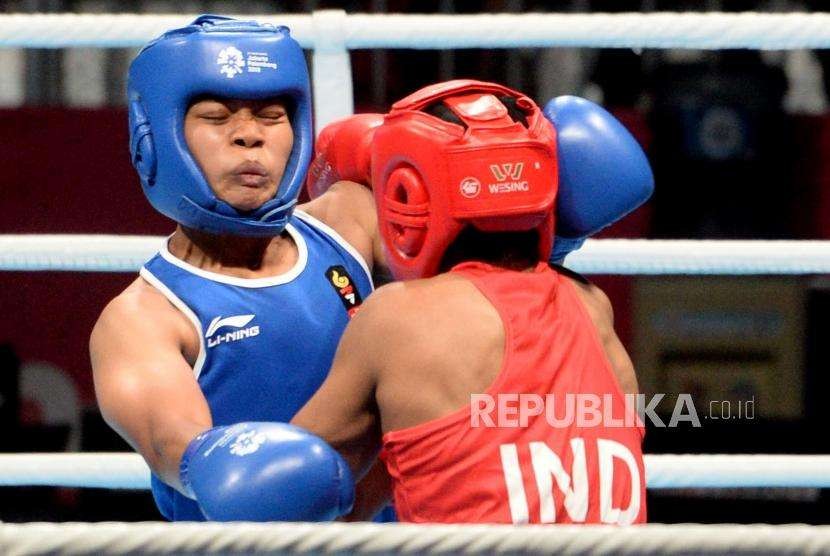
(601, 311)
(433, 310)
(597, 304)
(142, 313)
(440, 334)
(349, 209)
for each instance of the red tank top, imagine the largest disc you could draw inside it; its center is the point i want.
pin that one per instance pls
(550, 441)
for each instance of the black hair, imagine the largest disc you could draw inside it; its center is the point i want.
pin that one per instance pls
(510, 250)
(443, 112)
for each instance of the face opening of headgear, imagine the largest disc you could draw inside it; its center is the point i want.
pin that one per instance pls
(220, 57)
(457, 154)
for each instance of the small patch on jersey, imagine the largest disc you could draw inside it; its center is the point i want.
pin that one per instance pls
(343, 284)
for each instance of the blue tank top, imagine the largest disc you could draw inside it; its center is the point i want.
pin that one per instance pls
(266, 344)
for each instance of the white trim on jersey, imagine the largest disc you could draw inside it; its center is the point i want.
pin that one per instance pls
(284, 278)
(181, 306)
(329, 231)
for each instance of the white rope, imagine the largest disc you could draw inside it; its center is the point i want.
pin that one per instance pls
(82, 253)
(633, 30)
(85, 470)
(127, 470)
(362, 538)
(737, 471)
(642, 256)
(42, 30)
(107, 253)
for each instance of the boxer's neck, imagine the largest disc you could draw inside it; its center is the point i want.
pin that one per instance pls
(238, 256)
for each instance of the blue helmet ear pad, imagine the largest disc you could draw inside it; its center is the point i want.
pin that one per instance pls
(141, 144)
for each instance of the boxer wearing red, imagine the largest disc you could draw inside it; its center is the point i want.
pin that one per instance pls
(465, 180)
(521, 464)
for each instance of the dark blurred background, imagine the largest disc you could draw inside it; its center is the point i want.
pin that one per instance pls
(736, 139)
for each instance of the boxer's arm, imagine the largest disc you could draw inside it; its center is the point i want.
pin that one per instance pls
(602, 314)
(338, 183)
(372, 493)
(145, 388)
(349, 208)
(343, 411)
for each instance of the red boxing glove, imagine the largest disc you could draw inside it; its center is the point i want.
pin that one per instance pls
(343, 152)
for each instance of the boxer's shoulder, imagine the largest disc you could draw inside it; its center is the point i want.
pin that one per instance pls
(349, 209)
(427, 296)
(446, 310)
(345, 202)
(143, 313)
(596, 303)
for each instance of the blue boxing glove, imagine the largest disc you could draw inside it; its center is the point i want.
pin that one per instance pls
(603, 172)
(266, 472)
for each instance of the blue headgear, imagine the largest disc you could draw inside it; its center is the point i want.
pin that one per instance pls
(222, 57)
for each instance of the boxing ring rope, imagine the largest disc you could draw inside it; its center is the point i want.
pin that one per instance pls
(372, 538)
(128, 470)
(111, 253)
(711, 30)
(332, 33)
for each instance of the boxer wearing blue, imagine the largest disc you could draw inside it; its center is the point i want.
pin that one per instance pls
(235, 322)
(267, 348)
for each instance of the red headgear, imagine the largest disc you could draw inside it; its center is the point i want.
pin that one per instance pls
(432, 178)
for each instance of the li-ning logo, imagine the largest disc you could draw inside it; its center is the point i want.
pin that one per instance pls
(238, 321)
(230, 61)
(508, 178)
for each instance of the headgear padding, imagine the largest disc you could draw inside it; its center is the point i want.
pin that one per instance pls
(432, 178)
(221, 57)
